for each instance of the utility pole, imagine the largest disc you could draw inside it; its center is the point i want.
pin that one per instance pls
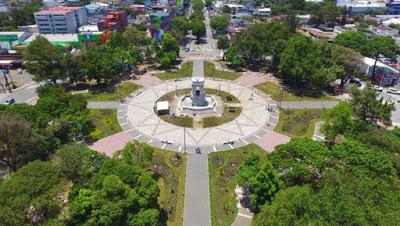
(280, 97)
(376, 61)
(5, 73)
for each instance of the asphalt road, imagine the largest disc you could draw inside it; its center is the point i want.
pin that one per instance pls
(24, 94)
(395, 99)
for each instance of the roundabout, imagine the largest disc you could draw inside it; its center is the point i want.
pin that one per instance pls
(137, 117)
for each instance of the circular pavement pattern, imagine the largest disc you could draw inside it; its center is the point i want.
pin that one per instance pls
(137, 118)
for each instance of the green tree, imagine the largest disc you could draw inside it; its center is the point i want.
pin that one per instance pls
(31, 196)
(226, 9)
(180, 25)
(119, 194)
(223, 42)
(382, 45)
(367, 107)
(361, 160)
(18, 142)
(45, 61)
(337, 121)
(136, 36)
(233, 56)
(327, 14)
(350, 60)
(354, 40)
(301, 161)
(168, 52)
(198, 28)
(220, 23)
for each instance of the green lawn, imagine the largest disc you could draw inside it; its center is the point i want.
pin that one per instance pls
(299, 122)
(274, 90)
(172, 168)
(105, 122)
(182, 121)
(216, 121)
(211, 71)
(223, 168)
(117, 93)
(185, 71)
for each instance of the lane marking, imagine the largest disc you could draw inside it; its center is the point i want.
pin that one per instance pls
(150, 141)
(163, 146)
(244, 141)
(138, 136)
(180, 148)
(215, 149)
(230, 145)
(265, 130)
(245, 215)
(257, 136)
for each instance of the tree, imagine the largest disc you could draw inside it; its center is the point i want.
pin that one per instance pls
(180, 25)
(381, 45)
(77, 162)
(226, 9)
(327, 14)
(31, 196)
(354, 40)
(337, 121)
(136, 37)
(350, 60)
(248, 169)
(300, 161)
(367, 107)
(45, 61)
(18, 143)
(198, 28)
(302, 63)
(233, 56)
(168, 52)
(223, 42)
(362, 161)
(220, 23)
(119, 194)
(263, 185)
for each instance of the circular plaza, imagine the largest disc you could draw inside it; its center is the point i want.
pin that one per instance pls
(138, 118)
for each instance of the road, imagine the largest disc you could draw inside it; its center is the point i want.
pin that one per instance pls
(23, 94)
(307, 104)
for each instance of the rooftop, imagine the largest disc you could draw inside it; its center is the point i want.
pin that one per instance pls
(58, 10)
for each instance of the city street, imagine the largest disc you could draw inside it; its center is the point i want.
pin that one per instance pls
(396, 99)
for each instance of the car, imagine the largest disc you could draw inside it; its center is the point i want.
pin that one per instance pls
(10, 101)
(198, 150)
(377, 88)
(356, 81)
(393, 91)
(187, 50)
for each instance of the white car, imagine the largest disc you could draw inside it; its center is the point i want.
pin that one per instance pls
(377, 88)
(393, 91)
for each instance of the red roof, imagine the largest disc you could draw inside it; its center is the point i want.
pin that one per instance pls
(59, 10)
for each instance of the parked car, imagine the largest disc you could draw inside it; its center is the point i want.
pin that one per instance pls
(10, 101)
(393, 91)
(377, 88)
(355, 81)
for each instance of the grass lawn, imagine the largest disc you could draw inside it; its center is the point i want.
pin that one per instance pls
(211, 71)
(223, 168)
(299, 122)
(117, 93)
(171, 166)
(216, 121)
(105, 122)
(182, 121)
(185, 71)
(274, 90)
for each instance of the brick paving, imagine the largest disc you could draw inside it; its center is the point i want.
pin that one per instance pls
(146, 79)
(111, 144)
(269, 141)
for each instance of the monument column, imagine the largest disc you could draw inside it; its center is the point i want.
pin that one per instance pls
(198, 96)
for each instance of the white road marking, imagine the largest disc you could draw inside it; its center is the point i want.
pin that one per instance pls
(230, 145)
(245, 215)
(215, 149)
(163, 146)
(244, 141)
(124, 124)
(257, 136)
(150, 141)
(138, 136)
(265, 130)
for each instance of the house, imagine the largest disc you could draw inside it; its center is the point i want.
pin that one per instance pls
(384, 75)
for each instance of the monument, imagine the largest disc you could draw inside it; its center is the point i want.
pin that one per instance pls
(198, 96)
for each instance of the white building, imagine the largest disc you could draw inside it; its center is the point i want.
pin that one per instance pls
(61, 20)
(263, 12)
(362, 6)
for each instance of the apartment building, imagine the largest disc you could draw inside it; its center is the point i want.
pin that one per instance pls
(61, 20)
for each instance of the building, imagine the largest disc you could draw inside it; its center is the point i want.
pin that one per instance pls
(383, 31)
(355, 7)
(385, 75)
(61, 20)
(59, 40)
(9, 40)
(264, 12)
(114, 21)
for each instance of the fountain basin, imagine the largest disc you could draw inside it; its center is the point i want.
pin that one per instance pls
(185, 105)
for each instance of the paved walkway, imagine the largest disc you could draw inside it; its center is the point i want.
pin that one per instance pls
(137, 117)
(308, 104)
(103, 104)
(147, 79)
(271, 140)
(198, 68)
(318, 135)
(111, 144)
(244, 216)
(197, 195)
(250, 78)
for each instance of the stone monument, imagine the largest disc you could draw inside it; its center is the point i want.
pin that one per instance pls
(198, 96)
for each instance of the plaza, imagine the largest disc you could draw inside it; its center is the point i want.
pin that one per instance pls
(137, 118)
